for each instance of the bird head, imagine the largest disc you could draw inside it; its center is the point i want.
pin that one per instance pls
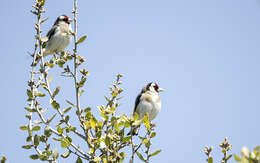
(153, 87)
(63, 19)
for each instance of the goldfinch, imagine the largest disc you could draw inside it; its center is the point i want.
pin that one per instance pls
(148, 101)
(59, 36)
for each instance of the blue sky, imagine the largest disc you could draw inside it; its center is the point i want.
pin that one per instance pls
(205, 54)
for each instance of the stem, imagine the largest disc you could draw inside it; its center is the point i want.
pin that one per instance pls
(133, 150)
(225, 157)
(75, 74)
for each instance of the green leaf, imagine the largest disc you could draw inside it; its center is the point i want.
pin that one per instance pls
(60, 130)
(79, 160)
(29, 109)
(107, 141)
(27, 146)
(67, 118)
(23, 127)
(237, 158)
(65, 143)
(82, 39)
(34, 157)
(29, 138)
(29, 93)
(210, 160)
(49, 120)
(55, 105)
(82, 81)
(140, 156)
(39, 94)
(47, 131)
(71, 103)
(155, 153)
(56, 91)
(228, 157)
(127, 138)
(43, 157)
(66, 154)
(135, 116)
(67, 110)
(36, 128)
(42, 139)
(148, 144)
(57, 139)
(36, 140)
(145, 141)
(92, 123)
(61, 62)
(147, 122)
(153, 134)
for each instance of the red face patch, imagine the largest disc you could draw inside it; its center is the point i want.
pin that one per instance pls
(66, 18)
(156, 87)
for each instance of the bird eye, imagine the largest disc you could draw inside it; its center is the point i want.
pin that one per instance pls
(156, 87)
(66, 19)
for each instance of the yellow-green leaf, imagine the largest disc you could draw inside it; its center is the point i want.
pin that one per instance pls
(210, 160)
(79, 160)
(34, 157)
(147, 122)
(36, 128)
(92, 123)
(49, 120)
(57, 90)
(153, 134)
(55, 105)
(140, 156)
(66, 110)
(66, 154)
(155, 153)
(82, 39)
(65, 143)
(237, 158)
(23, 127)
(127, 138)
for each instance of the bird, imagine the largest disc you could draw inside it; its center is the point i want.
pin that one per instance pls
(59, 36)
(147, 102)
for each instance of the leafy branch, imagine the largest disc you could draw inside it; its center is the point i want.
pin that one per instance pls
(103, 136)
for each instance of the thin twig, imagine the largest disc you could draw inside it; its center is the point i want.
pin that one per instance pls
(61, 135)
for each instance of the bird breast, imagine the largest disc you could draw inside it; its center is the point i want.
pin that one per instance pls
(59, 41)
(149, 104)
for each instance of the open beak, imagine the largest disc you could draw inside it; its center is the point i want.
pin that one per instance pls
(160, 90)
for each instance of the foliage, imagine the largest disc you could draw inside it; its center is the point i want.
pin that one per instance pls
(3, 159)
(103, 137)
(246, 155)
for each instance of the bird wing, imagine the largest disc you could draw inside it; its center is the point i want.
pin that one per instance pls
(49, 35)
(51, 32)
(137, 101)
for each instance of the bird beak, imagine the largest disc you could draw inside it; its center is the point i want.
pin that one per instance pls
(70, 20)
(160, 90)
